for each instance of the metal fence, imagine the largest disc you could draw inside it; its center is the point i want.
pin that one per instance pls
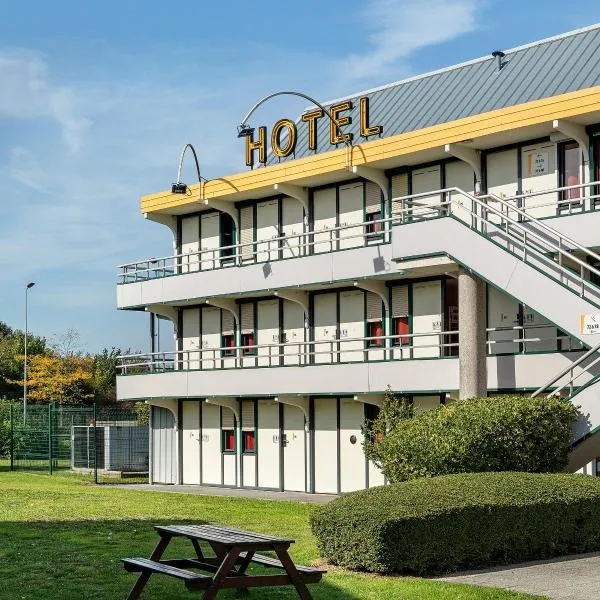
(105, 443)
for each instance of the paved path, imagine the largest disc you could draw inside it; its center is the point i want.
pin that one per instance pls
(567, 578)
(231, 492)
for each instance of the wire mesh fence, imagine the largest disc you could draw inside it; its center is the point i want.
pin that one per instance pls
(106, 443)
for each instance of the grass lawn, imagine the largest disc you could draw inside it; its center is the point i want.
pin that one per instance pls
(61, 538)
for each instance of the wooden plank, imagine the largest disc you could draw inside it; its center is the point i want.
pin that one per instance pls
(269, 561)
(151, 566)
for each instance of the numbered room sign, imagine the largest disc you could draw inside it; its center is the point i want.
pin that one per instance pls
(589, 324)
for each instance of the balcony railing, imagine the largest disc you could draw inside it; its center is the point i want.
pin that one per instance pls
(435, 344)
(354, 235)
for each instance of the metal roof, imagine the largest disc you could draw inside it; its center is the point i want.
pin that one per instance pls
(550, 67)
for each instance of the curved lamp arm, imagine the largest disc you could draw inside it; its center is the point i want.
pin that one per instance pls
(181, 188)
(243, 128)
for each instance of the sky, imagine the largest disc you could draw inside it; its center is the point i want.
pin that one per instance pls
(97, 100)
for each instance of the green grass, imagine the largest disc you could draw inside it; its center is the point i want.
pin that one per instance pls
(62, 538)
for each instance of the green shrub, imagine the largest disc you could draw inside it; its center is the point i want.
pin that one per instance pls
(441, 524)
(502, 433)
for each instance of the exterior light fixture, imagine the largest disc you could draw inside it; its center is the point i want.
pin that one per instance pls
(179, 187)
(245, 131)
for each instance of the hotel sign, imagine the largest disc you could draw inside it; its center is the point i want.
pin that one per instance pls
(284, 134)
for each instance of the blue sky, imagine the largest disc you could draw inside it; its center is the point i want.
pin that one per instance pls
(98, 98)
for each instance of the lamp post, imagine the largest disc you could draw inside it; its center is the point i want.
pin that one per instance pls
(245, 130)
(27, 288)
(181, 188)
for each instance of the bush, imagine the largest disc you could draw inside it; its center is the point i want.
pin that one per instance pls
(441, 524)
(503, 433)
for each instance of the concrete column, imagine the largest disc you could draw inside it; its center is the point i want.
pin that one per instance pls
(472, 337)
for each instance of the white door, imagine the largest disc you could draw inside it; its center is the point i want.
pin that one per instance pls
(539, 328)
(351, 212)
(230, 459)
(292, 227)
(426, 180)
(326, 448)
(352, 325)
(247, 233)
(503, 315)
(460, 175)
(190, 244)
(324, 217)
(268, 444)
(210, 240)
(211, 444)
(539, 173)
(267, 230)
(427, 318)
(191, 338)
(353, 464)
(294, 450)
(268, 333)
(211, 337)
(502, 177)
(191, 441)
(247, 456)
(293, 331)
(325, 328)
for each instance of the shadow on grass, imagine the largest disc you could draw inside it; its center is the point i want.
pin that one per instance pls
(71, 560)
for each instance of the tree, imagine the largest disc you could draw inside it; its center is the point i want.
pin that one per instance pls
(54, 378)
(104, 375)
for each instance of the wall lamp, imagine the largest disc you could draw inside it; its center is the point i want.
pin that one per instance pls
(179, 187)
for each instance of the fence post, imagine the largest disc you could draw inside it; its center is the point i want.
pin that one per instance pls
(12, 436)
(50, 437)
(95, 445)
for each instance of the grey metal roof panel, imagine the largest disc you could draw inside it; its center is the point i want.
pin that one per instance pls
(539, 70)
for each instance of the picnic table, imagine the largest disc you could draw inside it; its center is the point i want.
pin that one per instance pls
(234, 550)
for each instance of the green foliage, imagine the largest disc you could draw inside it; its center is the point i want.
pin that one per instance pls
(441, 524)
(4, 426)
(142, 410)
(503, 433)
(104, 375)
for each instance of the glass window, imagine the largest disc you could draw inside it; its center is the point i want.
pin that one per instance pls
(248, 342)
(570, 172)
(228, 440)
(227, 236)
(400, 328)
(228, 344)
(375, 330)
(373, 228)
(248, 445)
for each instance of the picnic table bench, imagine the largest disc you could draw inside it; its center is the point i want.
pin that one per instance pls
(234, 550)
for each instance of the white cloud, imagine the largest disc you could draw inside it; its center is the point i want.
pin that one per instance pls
(401, 27)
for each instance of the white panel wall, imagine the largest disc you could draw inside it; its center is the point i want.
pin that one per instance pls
(267, 228)
(539, 173)
(268, 444)
(211, 337)
(503, 311)
(426, 180)
(190, 244)
(210, 240)
(324, 207)
(292, 225)
(325, 325)
(268, 332)
(211, 444)
(164, 446)
(502, 173)
(191, 441)
(326, 451)
(427, 317)
(293, 329)
(353, 464)
(352, 325)
(191, 338)
(351, 211)
(538, 327)
(460, 175)
(294, 450)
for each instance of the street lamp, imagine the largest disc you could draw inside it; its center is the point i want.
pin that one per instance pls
(27, 288)
(181, 188)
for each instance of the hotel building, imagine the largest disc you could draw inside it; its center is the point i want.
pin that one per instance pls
(435, 236)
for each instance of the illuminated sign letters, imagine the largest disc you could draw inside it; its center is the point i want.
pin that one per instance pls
(284, 134)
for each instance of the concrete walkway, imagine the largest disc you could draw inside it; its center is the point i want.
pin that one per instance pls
(567, 578)
(230, 492)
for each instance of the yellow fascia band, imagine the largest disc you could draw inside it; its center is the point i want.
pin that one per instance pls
(563, 106)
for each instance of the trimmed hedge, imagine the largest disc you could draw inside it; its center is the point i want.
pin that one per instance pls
(441, 524)
(502, 433)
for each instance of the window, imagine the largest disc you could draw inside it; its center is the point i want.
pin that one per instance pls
(248, 343)
(227, 227)
(228, 345)
(248, 446)
(228, 442)
(375, 330)
(401, 328)
(570, 173)
(372, 227)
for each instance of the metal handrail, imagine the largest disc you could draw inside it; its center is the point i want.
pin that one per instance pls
(564, 371)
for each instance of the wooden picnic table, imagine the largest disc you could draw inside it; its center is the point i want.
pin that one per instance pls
(234, 550)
